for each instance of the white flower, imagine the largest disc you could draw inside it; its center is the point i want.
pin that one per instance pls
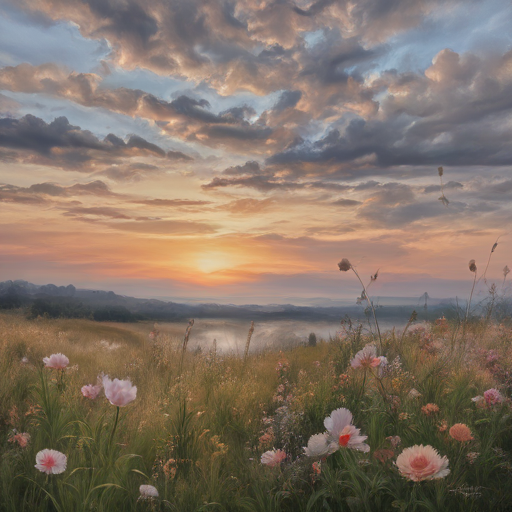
(148, 491)
(56, 361)
(273, 458)
(319, 446)
(119, 392)
(342, 432)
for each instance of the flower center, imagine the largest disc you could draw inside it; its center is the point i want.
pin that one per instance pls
(49, 462)
(419, 463)
(344, 439)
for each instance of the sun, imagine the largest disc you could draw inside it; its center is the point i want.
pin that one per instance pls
(214, 261)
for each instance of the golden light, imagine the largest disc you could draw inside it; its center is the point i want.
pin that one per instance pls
(214, 261)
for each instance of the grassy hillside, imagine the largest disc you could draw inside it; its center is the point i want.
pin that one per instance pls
(198, 426)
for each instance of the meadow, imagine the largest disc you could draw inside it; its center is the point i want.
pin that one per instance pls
(419, 419)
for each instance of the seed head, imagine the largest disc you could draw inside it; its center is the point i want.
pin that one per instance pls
(472, 266)
(506, 271)
(374, 277)
(344, 265)
(440, 171)
(494, 246)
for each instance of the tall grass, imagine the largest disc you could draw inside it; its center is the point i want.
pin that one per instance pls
(201, 421)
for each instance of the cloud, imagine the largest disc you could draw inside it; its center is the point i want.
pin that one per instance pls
(165, 227)
(346, 202)
(249, 206)
(171, 203)
(63, 144)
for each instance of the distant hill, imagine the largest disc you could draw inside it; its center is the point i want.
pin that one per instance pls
(70, 302)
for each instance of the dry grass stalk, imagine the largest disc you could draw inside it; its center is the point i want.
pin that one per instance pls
(185, 341)
(248, 342)
(344, 265)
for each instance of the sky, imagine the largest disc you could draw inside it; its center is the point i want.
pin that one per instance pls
(235, 151)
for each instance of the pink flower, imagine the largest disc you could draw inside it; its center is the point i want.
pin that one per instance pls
(273, 458)
(51, 462)
(342, 433)
(367, 358)
(21, 439)
(493, 396)
(148, 491)
(419, 463)
(119, 392)
(56, 361)
(91, 391)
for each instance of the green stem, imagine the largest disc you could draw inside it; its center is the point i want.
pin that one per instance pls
(113, 429)
(370, 303)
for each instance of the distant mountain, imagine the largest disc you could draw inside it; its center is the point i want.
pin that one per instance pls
(68, 301)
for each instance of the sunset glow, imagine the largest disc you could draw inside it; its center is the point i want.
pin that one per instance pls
(240, 150)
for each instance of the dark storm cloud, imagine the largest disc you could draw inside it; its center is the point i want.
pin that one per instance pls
(34, 134)
(61, 143)
(288, 99)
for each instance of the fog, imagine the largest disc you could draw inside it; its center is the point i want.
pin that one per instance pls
(231, 335)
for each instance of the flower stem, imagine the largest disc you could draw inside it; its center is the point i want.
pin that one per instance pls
(370, 303)
(113, 429)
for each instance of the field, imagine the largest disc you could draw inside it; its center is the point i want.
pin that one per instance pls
(202, 419)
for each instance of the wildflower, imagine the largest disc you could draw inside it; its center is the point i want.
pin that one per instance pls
(443, 426)
(22, 439)
(403, 416)
(479, 401)
(394, 440)
(472, 456)
(24, 360)
(472, 266)
(383, 455)
(394, 401)
(413, 393)
(273, 458)
(344, 265)
(51, 462)
(119, 392)
(493, 396)
(170, 468)
(319, 446)
(91, 391)
(317, 468)
(56, 361)
(367, 358)
(342, 432)
(461, 432)
(267, 438)
(419, 463)
(430, 409)
(148, 491)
